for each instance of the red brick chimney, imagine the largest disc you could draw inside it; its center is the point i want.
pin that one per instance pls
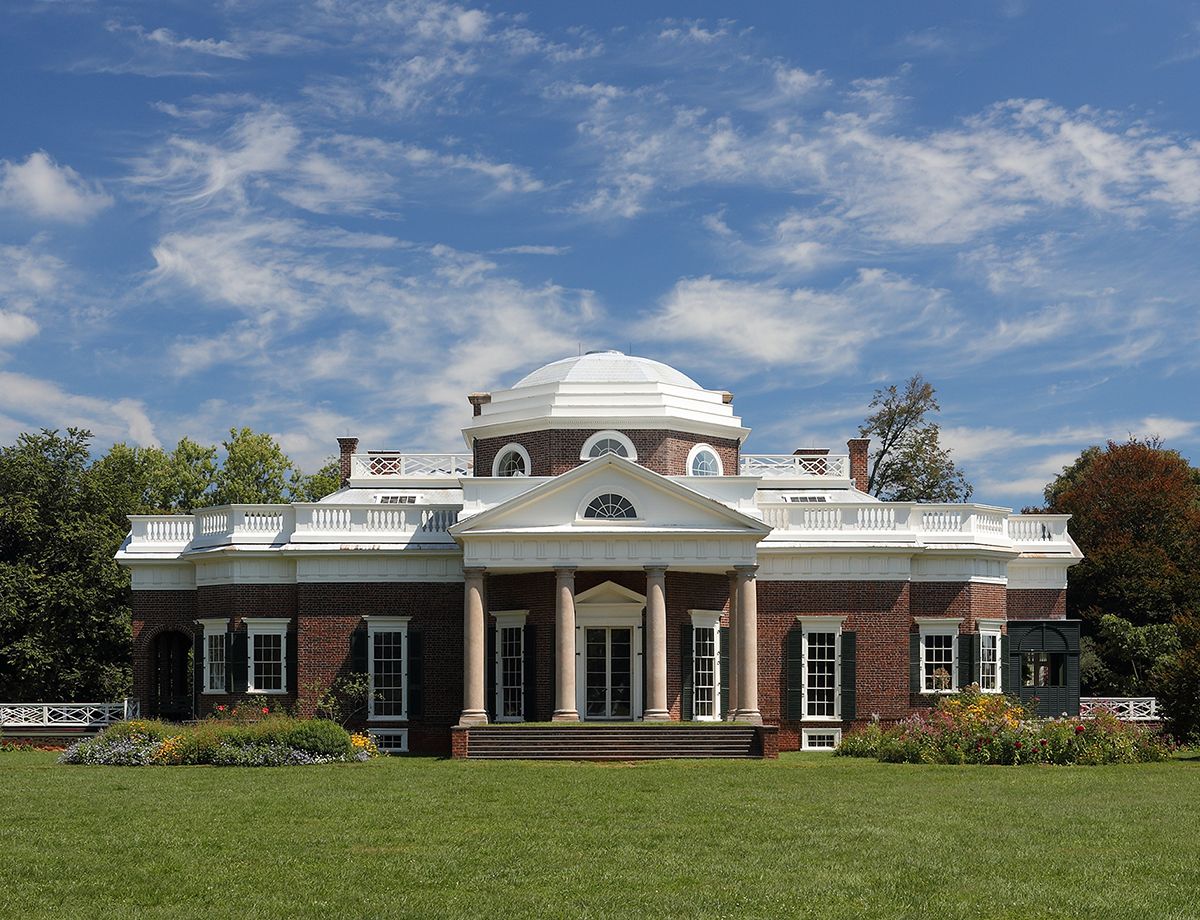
(346, 447)
(478, 401)
(859, 469)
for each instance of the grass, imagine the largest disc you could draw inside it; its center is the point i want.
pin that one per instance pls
(805, 836)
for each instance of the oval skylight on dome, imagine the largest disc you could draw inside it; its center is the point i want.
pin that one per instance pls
(606, 367)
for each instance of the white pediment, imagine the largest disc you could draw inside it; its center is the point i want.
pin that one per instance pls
(661, 506)
(609, 593)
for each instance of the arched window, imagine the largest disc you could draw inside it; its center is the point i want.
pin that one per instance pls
(610, 506)
(704, 461)
(512, 460)
(608, 442)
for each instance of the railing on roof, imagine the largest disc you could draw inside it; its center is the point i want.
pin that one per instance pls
(796, 466)
(943, 522)
(1125, 708)
(66, 715)
(1038, 528)
(394, 464)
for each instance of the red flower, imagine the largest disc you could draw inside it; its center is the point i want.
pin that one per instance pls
(1078, 729)
(1018, 745)
(221, 708)
(265, 709)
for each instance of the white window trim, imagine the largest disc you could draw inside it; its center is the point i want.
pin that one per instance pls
(822, 624)
(511, 448)
(509, 619)
(696, 450)
(991, 628)
(390, 740)
(378, 624)
(806, 739)
(267, 626)
(940, 626)
(607, 522)
(585, 451)
(215, 626)
(708, 619)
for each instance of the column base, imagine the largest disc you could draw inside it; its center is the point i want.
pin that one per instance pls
(752, 716)
(656, 715)
(565, 715)
(471, 717)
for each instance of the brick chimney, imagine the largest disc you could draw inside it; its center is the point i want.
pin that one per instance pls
(859, 469)
(479, 400)
(346, 447)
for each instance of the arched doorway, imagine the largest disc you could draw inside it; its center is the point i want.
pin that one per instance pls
(171, 689)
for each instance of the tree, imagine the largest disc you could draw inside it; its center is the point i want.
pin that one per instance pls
(1135, 510)
(64, 601)
(146, 480)
(1178, 684)
(255, 470)
(315, 486)
(907, 462)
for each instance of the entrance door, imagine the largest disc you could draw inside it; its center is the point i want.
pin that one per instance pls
(609, 689)
(172, 696)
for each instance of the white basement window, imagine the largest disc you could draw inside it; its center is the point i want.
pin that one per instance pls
(820, 739)
(387, 667)
(939, 654)
(390, 740)
(266, 649)
(215, 646)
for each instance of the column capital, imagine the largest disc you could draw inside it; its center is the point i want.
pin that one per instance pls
(655, 569)
(474, 570)
(563, 570)
(745, 571)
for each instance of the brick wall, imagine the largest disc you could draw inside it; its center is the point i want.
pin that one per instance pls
(555, 451)
(968, 600)
(154, 613)
(1037, 604)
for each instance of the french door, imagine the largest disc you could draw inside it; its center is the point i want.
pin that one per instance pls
(609, 672)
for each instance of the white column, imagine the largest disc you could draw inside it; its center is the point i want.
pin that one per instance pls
(656, 644)
(564, 645)
(747, 592)
(474, 706)
(733, 646)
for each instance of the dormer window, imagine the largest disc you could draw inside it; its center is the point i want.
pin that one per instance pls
(611, 507)
(512, 460)
(397, 499)
(608, 442)
(703, 461)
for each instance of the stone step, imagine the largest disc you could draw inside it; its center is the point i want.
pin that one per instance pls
(601, 742)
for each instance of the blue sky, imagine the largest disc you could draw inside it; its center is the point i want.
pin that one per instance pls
(339, 217)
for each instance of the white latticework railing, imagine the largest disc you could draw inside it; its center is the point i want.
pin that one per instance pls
(796, 466)
(66, 715)
(394, 464)
(1125, 708)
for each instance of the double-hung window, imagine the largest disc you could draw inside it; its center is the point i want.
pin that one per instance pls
(822, 635)
(989, 657)
(214, 663)
(510, 665)
(939, 654)
(387, 667)
(266, 655)
(706, 665)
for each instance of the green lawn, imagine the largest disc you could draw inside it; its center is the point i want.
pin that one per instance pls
(807, 835)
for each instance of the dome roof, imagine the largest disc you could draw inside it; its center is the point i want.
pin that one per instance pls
(606, 367)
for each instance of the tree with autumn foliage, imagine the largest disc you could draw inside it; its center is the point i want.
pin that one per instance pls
(1135, 510)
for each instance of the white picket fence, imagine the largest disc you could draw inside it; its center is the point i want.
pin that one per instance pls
(1125, 708)
(48, 717)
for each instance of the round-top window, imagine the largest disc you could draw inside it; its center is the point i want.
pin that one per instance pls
(610, 506)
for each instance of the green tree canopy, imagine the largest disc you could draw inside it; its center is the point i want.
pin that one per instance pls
(907, 461)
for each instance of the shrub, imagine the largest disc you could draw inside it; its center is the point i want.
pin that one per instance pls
(271, 741)
(977, 728)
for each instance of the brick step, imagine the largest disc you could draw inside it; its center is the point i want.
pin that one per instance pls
(600, 742)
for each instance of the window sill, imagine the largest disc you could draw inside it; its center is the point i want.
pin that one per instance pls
(821, 719)
(400, 718)
(214, 693)
(253, 692)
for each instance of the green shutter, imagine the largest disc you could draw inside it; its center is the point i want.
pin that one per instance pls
(914, 662)
(530, 696)
(293, 660)
(849, 676)
(795, 674)
(489, 668)
(229, 662)
(1011, 668)
(687, 690)
(237, 664)
(197, 671)
(968, 659)
(359, 651)
(725, 671)
(416, 677)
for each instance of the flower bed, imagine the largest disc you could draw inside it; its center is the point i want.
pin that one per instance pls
(273, 741)
(979, 728)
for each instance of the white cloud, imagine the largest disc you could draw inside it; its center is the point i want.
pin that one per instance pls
(39, 403)
(16, 328)
(41, 187)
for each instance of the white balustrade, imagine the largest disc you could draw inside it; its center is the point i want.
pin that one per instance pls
(942, 520)
(66, 715)
(161, 528)
(875, 517)
(796, 466)
(317, 523)
(398, 465)
(1038, 528)
(1125, 708)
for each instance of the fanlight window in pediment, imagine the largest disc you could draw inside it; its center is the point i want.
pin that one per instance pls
(610, 506)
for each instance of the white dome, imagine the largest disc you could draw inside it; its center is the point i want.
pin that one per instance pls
(606, 367)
